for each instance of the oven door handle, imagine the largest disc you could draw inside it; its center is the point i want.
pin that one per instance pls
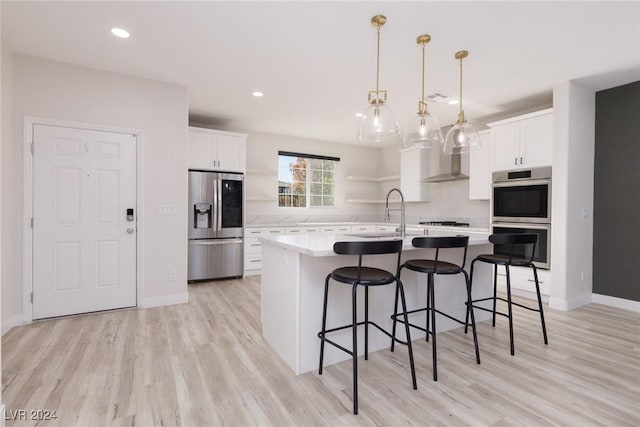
(521, 183)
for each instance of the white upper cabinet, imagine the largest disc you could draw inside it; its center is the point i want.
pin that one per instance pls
(522, 142)
(480, 168)
(415, 166)
(216, 150)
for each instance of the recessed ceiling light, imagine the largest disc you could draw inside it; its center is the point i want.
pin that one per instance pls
(119, 32)
(257, 94)
(358, 114)
(453, 102)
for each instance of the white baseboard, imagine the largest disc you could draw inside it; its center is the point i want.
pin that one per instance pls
(252, 272)
(16, 320)
(165, 300)
(625, 304)
(571, 304)
(524, 293)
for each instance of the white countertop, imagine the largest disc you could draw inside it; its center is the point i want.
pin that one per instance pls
(322, 245)
(321, 224)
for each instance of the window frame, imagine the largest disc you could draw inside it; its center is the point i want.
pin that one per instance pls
(308, 195)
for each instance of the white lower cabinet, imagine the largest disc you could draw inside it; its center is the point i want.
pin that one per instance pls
(363, 228)
(522, 280)
(335, 229)
(301, 230)
(253, 247)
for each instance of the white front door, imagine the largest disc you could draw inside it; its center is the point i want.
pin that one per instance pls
(84, 247)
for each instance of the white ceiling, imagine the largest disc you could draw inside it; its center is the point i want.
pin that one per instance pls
(315, 61)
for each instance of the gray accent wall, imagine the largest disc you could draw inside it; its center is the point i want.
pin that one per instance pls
(616, 216)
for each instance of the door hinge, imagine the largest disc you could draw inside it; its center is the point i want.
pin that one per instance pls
(32, 297)
(32, 149)
(31, 222)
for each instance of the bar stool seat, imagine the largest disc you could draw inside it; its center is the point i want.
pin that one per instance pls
(503, 260)
(429, 265)
(369, 276)
(362, 276)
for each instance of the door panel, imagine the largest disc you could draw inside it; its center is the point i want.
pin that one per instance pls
(84, 259)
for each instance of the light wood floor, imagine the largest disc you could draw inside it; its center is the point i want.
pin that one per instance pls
(205, 363)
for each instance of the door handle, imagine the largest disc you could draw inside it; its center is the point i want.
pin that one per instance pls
(129, 230)
(215, 242)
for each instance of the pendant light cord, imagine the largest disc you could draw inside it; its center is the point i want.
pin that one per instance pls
(460, 109)
(422, 98)
(378, 60)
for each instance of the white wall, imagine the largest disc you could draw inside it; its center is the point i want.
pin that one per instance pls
(9, 301)
(55, 90)
(262, 155)
(573, 162)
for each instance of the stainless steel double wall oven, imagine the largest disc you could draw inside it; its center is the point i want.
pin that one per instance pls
(521, 203)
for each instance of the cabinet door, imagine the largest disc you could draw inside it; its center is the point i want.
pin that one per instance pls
(536, 144)
(229, 155)
(480, 169)
(505, 141)
(201, 150)
(415, 166)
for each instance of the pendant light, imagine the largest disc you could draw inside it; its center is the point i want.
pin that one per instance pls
(423, 130)
(462, 136)
(377, 124)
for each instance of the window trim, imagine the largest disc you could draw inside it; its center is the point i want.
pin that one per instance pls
(308, 182)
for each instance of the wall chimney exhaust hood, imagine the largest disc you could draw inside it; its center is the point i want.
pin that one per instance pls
(445, 167)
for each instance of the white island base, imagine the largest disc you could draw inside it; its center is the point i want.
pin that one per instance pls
(293, 273)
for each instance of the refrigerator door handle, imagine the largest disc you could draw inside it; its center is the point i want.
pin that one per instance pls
(214, 242)
(219, 202)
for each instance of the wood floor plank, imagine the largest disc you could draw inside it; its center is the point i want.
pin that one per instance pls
(205, 363)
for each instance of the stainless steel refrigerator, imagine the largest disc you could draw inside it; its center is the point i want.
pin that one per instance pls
(215, 225)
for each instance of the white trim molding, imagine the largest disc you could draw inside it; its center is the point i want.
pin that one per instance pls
(625, 304)
(569, 304)
(165, 300)
(27, 232)
(14, 321)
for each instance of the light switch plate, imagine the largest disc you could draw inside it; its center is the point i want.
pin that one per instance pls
(166, 210)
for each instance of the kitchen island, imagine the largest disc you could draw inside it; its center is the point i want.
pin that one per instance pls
(293, 273)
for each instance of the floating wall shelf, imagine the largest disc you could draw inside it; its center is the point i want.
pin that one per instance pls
(372, 179)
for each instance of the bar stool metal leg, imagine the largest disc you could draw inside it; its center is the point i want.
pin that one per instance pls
(473, 318)
(429, 302)
(354, 308)
(433, 328)
(510, 316)
(495, 292)
(324, 321)
(469, 303)
(395, 314)
(366, 323)
(544, 327)
(406, 330)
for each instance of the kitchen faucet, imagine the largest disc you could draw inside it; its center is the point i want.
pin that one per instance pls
(403, 226)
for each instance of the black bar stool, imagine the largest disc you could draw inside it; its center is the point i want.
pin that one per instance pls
(363, 276)
(432, 267)
(517, 249)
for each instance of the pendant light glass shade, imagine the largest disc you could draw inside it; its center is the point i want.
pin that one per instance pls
(378, 124)
(462, 136)
(423, 130)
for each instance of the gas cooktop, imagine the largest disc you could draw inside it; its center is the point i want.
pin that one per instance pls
(445, 223)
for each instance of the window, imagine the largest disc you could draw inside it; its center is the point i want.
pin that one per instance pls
(306, 180)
